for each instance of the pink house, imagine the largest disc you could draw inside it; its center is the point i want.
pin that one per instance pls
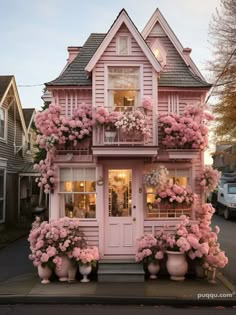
(100, 181)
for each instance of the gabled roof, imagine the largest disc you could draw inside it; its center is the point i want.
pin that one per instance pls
(158, 17)
(6, 82)
(28, 116)
(75, 73)
(123, 17)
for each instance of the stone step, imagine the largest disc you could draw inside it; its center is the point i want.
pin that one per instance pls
(120, 271)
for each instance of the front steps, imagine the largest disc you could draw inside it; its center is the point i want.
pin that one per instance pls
(120, 271)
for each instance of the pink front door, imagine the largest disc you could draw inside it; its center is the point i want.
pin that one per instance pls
(120, 212)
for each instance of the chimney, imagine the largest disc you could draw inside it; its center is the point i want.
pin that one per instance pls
(73, 53)
(187, 51)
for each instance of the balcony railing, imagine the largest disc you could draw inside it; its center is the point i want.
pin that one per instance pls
(117, 137)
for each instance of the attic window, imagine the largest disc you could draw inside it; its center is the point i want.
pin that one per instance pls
(158, 51)
(123, 45)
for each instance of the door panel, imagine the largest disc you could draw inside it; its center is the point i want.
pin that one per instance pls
(119, 221)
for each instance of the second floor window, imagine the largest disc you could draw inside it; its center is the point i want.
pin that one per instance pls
(2, 123)
(123, 87)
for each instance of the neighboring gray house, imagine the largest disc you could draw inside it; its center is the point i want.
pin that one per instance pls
(224, 157)
(13, 148)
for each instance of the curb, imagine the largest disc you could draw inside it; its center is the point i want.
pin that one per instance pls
(113, 300)
(226, 282)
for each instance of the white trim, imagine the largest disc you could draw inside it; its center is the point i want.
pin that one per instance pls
(123, 65)
(158, 17)
(4, 194)
(5, 114)
(20, 108)
(154, 109)
(123, 18)
(125, 151)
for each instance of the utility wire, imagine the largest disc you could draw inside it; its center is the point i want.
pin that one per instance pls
(29, 85)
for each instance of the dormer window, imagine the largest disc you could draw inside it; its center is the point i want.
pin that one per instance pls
(158, 51)
(123, 45)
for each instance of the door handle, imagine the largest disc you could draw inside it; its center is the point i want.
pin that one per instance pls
(134, 219)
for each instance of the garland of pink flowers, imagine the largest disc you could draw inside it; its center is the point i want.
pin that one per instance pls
(186, 131)
(209, 179)
(53, 128)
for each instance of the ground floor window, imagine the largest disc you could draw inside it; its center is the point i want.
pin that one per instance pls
(78, 192)
(2, 194)
(180, 176)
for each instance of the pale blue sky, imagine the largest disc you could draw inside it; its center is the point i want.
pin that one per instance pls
(34, 34)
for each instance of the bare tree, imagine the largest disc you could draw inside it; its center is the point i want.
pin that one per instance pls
(223, 67)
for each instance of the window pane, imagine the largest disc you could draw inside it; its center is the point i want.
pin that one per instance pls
(65, 174)
(120, 193)
(1, 210)
(123, 45)
(1, 183)
(127, 78)
(2, 122)
(80, 205)
(123, 99)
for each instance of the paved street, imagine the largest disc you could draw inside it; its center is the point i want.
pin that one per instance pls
(227, 239)
(14, 260)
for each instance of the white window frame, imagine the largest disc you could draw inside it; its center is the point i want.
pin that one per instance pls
(62, 193)
(123, 65)
(128, 44)
(5, 112)
(4, 193)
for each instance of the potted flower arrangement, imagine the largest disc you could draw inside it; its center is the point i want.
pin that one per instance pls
(107, 119)
(149, 251)
(186, 131)
(175, 196)
(85, 258)
(178, 244)
(134, 122)
(51, 244)
(157, 178)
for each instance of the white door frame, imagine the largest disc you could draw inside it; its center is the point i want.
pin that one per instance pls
(137, 200)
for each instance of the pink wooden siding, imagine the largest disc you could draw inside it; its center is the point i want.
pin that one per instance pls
(91, 233)
(69, 99)
(109, 57)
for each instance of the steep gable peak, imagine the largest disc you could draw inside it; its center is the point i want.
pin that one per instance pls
(123, 19)
(158, 26)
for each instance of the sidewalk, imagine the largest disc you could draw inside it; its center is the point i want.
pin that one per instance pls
(27, 289)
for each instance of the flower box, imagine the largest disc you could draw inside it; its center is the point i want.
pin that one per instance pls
(182, 154)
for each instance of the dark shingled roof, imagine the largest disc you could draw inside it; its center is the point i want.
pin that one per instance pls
(4, 82)
(175, 74)
(28, 112)
(75, 74)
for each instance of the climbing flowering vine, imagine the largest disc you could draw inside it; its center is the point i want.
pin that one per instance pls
(187, 131)
(209, 179)
(54, 128)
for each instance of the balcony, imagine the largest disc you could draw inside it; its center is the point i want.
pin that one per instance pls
(112, 141)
